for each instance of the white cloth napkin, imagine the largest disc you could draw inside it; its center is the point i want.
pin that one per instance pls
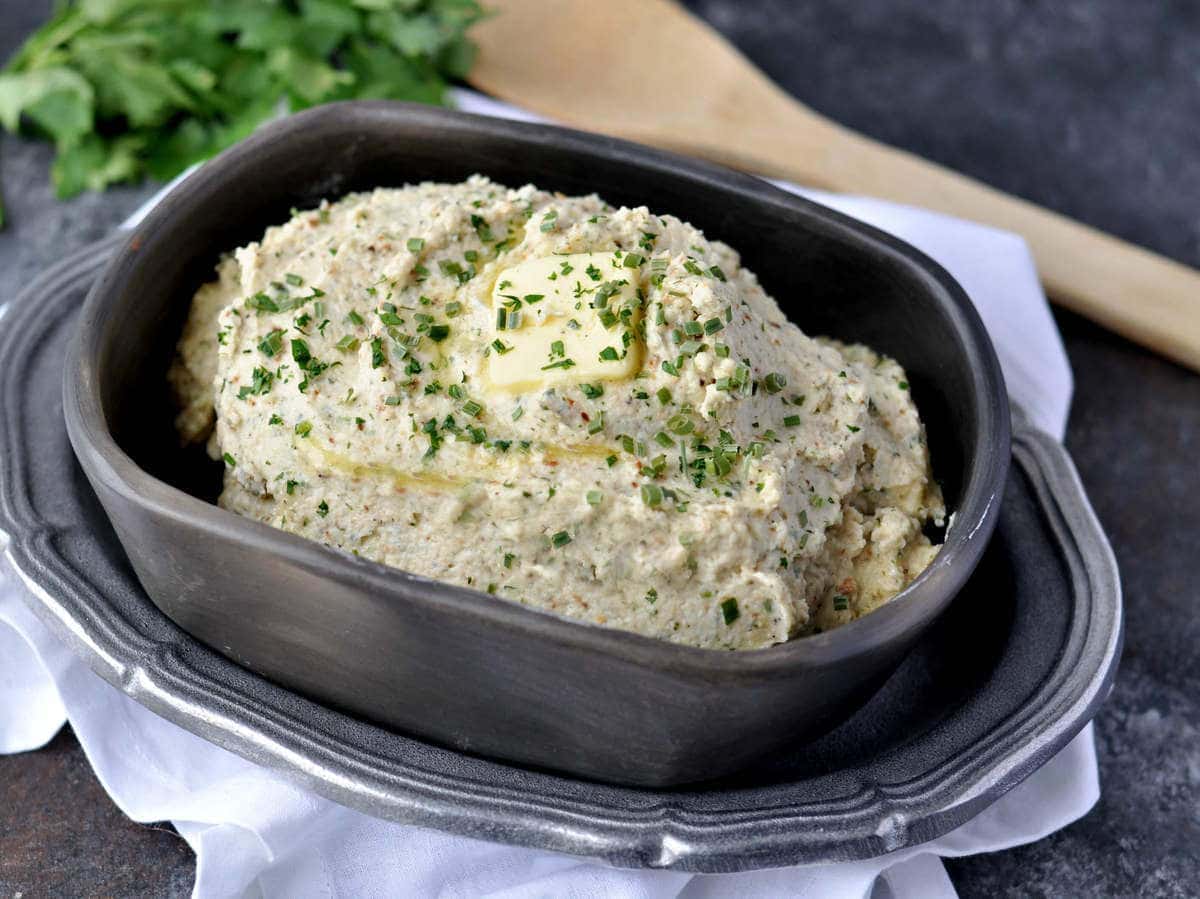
(256, 834)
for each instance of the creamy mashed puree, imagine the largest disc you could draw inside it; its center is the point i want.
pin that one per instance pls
(588, 410)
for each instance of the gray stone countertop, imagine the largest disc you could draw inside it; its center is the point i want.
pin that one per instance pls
(1090, 107)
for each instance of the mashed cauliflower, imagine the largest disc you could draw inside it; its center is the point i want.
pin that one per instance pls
(589, 410)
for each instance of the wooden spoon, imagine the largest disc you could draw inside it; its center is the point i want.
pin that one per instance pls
(648, 71)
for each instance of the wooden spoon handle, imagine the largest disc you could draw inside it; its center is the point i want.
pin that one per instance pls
(1142, 295)
(1146, 297)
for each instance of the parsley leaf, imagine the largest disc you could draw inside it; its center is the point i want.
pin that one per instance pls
(139, 88)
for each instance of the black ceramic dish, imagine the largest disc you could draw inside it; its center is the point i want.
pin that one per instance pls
(451, 664)
(1018, 664)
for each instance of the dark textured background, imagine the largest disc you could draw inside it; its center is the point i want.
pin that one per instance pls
(1090, 107)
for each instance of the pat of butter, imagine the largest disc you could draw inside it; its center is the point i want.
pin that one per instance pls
(565, 320)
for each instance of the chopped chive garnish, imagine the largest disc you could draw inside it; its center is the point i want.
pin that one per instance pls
(262, 303)
(262, 382)
(716, 272)
(482, 229)
(392, 400)
(438, 333)
(472, 408)
(304, 428)
(229, 460)
(652, 495)
(609, 354)
(592, 391)
(416, 244)
(272, 343)
(594, 497)
(294, 280)
(841, 603)
(377, 356)
(501, 347)
(664, 395)
(791, 421)
(354, 317)
(680, 424)
(663, 439)
(518, 412)
(774, 382)
(274, 419)
(903, 385)
(853, 429)
(453, 309)
(713, 325)
(611, 460)
(729, 610)
(561, 539)
(323, 508)
(348, 344)
(693, 329)
(633, 260)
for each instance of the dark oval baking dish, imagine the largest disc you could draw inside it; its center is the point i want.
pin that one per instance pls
(451, 664)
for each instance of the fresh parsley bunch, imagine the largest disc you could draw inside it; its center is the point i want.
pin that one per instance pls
(129, 88)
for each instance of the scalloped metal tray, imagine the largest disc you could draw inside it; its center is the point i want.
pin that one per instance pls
(1005, 679)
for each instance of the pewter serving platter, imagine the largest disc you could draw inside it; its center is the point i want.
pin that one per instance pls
(427, 658)
(1013, 670)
